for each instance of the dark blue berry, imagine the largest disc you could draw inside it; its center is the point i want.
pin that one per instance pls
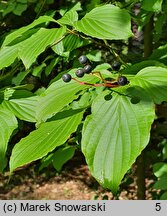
(122, 80)
(80, 72)
(87, 68)
(116, 66)
(66, 77)
(82, 59)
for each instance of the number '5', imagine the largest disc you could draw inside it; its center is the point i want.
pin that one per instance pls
(158, 207)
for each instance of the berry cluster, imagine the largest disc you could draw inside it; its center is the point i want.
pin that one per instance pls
(121, 81)
(87, 67)
(81, 71)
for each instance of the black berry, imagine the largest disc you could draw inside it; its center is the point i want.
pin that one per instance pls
(122, 80)
(116, 66)
(80, 72)
(87, 68)
(82, 59)
(66, 77)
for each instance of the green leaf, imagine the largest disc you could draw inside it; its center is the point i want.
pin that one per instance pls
(46, 161)
(38, 70)
(160, 54)
(164, 196)
(29, 49)
(94, 55)
(19, 32)
(153, 81)
(72, 42)
(83, 102)
(8, 55)
(114, 135)
(69, 18)
(92, 4)
(49, 67)
(17, 80)
(158, 26)
(37, 43)
(45, 139)
(69, 43)
(135, 68)
(77, 7)
(23, 108)
(10, 7)
(59, 49)
(160, 169)
(153, 5)
(106, 22)
(103, 66)
(161, 183)
(8, 123)
(164, 151)
(58, 95)
(61, 156)
(20, 8)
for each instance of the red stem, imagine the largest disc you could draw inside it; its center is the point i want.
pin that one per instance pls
(107, 84)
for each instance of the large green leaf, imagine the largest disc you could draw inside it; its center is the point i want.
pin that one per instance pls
(23, 108)
(58, 95)
(153, 81)
(29, 49)
(106, 22)
(37, 43)
(114, 135)
(8, 123)
(19, 32)
(45, 139)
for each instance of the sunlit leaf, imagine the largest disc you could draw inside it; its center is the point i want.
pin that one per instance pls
(58, 95)
(8, 123)
(106, 22)
(19, 32)
(37, 43)
(153, 81)
(114, 135)
(23, 108)
(45, 139)
(8, 55)
(69, 18)
(153, 5)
